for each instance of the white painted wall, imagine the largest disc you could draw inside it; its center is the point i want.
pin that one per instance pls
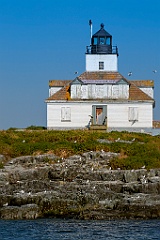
(110, 62)
(79, 115)
(148, 91)
(93, 91)
(53, 90)
(117, 115)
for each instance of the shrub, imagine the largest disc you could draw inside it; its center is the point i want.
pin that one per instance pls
(32, 127)
(144, 150)
(1, 165)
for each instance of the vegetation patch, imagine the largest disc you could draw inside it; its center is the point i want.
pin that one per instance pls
(136, 149)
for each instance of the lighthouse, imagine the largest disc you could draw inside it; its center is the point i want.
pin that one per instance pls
(101, 98)
(101, 55)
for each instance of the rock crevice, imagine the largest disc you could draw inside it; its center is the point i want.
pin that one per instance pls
(81, 186)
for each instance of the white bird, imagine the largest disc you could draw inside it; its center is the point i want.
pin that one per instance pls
(143, 167)
(118, 139)
(129, 74)
(5, 204)
(154, 71)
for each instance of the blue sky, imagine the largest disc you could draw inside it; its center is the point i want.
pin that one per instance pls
(42, 40)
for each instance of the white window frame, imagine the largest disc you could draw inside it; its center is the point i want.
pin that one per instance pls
(65, 114)
(133, 114)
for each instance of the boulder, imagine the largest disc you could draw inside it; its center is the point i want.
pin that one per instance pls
(81, 186)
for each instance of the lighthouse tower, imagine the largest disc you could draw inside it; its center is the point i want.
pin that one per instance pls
(101, 55)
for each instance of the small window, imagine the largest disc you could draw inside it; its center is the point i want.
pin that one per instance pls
(101, 65)
(95, 41)
(102, 40)
(133, 114)
(65, 114)
(108, 41)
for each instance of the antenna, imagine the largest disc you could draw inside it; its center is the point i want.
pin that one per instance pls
(90, 24)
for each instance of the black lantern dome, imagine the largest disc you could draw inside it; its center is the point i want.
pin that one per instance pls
(101, 42)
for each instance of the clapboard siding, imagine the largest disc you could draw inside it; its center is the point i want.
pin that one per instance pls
(93, 91)
(79, 115)
(117, 115)
(53, 90)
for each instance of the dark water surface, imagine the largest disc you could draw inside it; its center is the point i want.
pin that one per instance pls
(55, 229)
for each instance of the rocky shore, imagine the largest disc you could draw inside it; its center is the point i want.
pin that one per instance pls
(81, 186)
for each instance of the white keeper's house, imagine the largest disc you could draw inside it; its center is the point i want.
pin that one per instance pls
(100, 97)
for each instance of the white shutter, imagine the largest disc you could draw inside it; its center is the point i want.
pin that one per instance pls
(68, 114)
(65, 114)
(133, 114)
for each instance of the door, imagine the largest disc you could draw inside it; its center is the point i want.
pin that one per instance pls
(99, 114)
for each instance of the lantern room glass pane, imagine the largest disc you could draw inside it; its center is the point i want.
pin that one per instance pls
(108, 41)
(102, 40)
(95, 41)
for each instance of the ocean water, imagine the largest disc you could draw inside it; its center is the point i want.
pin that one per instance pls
(56, 229)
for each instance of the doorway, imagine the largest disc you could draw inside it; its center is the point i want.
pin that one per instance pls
(99, 114)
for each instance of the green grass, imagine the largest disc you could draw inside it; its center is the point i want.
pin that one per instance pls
(145, 149)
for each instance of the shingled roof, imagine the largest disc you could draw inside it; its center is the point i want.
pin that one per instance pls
(63, 93)
(143, 83)
(102, 32)
(134, 92)
(58, 83)
(101, 75)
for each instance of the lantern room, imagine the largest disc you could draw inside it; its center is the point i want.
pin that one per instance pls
(101, 42)
(101, 55)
